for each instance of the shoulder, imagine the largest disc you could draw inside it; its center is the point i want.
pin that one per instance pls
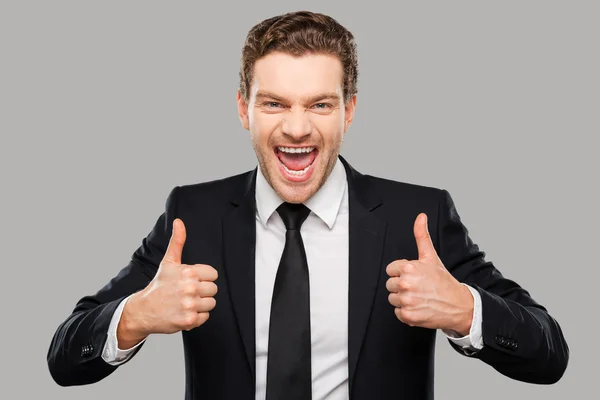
(405, 192)
(210, 193)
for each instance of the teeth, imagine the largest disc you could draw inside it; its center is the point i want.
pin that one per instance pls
(296, 150)
(297, 173)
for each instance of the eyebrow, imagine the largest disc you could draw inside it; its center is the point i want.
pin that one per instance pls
(312, 99)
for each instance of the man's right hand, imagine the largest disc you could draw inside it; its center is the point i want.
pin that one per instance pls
(178, 298)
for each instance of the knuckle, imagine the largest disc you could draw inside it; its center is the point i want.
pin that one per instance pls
(187, 303)
(189, 289)
(403, 285)
(405, 300)
(188, 272)
(407, 268)
(189, 320)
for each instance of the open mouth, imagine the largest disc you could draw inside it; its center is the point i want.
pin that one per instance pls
(296, 163)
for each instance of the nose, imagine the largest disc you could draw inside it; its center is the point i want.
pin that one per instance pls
(296, 124)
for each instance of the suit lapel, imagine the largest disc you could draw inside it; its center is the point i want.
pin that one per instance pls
(239, 242)
(366, 238)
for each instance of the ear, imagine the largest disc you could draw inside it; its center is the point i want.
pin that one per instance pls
(242, 110)
(350, 106)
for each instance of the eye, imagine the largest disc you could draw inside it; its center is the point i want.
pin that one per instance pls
(326, 105)
(271, 104)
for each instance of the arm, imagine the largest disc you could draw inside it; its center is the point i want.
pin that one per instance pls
(75, 353)
(521, 339)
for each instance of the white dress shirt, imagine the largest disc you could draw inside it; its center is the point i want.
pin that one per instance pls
(325, 237)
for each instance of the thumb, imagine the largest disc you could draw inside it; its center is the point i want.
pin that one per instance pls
(424, 243)
(175, 248)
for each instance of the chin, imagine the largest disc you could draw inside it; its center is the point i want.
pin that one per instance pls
(295, 195)
(292, 192)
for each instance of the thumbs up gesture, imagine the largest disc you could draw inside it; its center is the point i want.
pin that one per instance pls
(424, 293)
(178, 298)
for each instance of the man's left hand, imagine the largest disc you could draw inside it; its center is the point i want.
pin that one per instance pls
(424, 293)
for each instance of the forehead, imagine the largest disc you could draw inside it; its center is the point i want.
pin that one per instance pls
(292, 77)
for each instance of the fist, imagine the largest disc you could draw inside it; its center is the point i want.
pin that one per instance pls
(424, 293)
(180, 296)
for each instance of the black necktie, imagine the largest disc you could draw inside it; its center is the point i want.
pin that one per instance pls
(288, 359)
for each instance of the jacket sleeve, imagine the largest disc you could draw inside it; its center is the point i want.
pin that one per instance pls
(75, 353)
(521, 340)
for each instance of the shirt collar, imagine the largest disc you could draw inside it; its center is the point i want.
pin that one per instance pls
(325, 203)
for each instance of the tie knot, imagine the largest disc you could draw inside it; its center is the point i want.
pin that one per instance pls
(293, 215)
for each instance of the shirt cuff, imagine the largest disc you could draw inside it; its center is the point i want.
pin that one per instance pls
(111, 353)
(474, 341)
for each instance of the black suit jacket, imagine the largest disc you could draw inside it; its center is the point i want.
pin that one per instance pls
(386, 356)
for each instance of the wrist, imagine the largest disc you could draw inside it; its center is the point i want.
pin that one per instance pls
(465, 316)
(129, 330)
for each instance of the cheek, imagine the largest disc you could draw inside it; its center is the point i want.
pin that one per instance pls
(263, 125)
(329, 127)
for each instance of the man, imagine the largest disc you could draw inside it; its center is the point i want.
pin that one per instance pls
(330, 284)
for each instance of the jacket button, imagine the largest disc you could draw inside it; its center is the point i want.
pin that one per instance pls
(86, 349)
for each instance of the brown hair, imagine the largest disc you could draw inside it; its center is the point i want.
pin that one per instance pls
(299, 33)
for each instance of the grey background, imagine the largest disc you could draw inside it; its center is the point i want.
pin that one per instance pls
(105, 106)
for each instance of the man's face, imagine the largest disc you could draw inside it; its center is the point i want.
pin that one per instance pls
(297, 119)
